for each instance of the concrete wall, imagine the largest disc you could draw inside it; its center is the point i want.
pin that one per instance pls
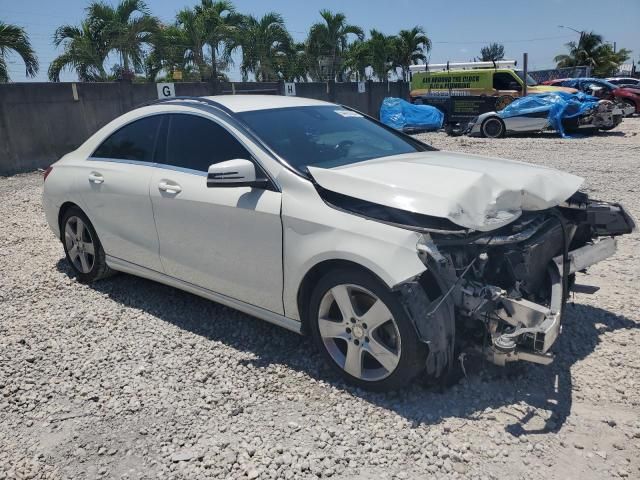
(40, 122)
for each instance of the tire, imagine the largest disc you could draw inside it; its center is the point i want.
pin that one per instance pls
(380, 356)
(629, 103)
(82, 247)
(493, 127)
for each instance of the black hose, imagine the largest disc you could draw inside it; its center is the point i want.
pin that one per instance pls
(565, 260)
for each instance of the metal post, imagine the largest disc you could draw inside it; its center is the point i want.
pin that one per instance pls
(525, 70)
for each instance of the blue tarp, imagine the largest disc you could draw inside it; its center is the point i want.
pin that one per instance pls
(402, 115)
(559, 105)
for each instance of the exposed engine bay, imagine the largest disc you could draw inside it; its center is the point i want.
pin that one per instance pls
(500, 293)
(606, 115)
(505, 291)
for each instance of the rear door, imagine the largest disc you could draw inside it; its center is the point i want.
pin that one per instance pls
(225, 239)
(114, 185)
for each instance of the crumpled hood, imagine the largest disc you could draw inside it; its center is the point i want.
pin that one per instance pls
(472, 191)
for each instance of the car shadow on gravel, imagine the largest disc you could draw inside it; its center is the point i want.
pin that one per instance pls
(539, 397)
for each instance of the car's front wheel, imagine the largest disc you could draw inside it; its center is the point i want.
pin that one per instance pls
(82, 246)
(363, 331)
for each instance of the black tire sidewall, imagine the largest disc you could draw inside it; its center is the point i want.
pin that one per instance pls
(491, 119)
(413, 352)
(99, 263)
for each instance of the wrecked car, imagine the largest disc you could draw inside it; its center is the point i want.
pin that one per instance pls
(558, 111)
(391, 254)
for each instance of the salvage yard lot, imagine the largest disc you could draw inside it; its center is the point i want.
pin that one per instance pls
(131, 379)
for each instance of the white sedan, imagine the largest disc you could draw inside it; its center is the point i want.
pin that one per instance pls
(307, 214)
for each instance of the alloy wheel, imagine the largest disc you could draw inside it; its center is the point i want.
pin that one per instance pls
(359, 332)
(79, 243)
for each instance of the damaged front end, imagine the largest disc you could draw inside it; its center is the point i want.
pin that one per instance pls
(503, 292)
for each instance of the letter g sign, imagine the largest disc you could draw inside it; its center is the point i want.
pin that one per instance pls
(166, 90)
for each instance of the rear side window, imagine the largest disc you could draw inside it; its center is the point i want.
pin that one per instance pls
(196, 143)
(134, 141)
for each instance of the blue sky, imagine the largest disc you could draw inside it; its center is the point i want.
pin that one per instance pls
(458, 29)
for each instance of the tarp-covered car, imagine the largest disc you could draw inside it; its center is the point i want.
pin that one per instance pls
(407, 117)
(559, 111)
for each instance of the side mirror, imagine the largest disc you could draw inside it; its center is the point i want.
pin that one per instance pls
(235, 173)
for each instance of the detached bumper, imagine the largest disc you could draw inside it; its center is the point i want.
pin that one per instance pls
(537, 327)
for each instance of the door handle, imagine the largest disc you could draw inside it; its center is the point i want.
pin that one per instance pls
(95, 177)
(169, 187)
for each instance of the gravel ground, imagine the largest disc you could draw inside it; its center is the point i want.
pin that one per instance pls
(131, 379)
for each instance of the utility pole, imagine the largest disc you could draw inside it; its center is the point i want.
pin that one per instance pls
(525, 72)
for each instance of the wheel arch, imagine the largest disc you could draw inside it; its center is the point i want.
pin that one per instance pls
(314, 274)
(63, 209)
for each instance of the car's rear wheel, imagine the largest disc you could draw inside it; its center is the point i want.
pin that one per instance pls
(493, 127)
(82, 246)
(363, 331)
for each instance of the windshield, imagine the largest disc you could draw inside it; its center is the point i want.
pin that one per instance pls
(530, 81)
(326, 136)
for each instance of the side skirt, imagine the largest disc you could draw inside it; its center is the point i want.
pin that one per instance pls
(254, 311)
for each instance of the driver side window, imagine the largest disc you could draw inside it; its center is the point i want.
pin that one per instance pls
(503, 81)
(196, 143)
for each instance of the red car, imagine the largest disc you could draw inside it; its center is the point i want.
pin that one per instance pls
(602, 89)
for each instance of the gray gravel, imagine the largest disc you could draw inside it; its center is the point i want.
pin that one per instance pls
(131, 379)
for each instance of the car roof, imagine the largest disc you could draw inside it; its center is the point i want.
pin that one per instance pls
(247, 102)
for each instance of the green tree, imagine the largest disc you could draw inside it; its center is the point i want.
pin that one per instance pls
(264, 43)
(409, 49)
(221, 29)
(492, 52)
(591, 51)
(381, 48)
(85, 51)
(357, 58)
(192, 39)
(328, 40)
(294, 65)
(15, 39)
(170, 53)
(126, 29)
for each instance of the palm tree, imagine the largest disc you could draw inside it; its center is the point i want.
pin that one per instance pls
(591, 51)
(583, 53)
(294, 65)
(126, 28)
(409, 49)
(221, 28)
(85, 51)
(329, 39)
(14, 38)
(357, 58)
(492, 52)
(169, 53)
(264, 45)
(193, 39)
(381, 49)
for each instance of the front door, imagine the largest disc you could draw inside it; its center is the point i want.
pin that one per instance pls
(225, 239)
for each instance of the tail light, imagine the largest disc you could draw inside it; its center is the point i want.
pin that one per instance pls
(47, 172)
